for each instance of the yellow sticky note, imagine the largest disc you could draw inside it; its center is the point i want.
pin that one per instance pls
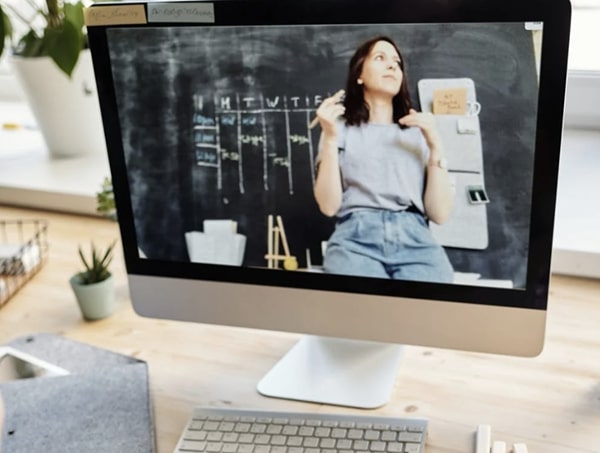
(114, 15)
(450, 101)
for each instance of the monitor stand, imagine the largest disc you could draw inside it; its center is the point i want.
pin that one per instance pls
(335, 371)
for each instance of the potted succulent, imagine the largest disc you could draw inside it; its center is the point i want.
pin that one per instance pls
(54, 66)
(94, 287)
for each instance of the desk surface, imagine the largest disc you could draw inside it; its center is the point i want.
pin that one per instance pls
(551, 402)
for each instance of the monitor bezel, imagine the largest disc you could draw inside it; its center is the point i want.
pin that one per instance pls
(556, 20)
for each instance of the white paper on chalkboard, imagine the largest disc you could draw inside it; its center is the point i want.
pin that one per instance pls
(219, 226)
(215, 248)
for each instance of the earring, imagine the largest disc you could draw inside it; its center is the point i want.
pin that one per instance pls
(359, 81)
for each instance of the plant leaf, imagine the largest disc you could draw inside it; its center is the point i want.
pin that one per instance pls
(85, 263)
(30, 45)
(107, 258)
(63, 45)
(74, 14)
(96, 270)
(5, 29)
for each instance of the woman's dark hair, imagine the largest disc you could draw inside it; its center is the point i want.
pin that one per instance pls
(357, 110)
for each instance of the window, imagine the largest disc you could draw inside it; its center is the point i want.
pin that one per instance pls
(585, 34)
(583, 87)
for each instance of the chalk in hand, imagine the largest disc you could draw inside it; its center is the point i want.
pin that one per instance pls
(337, 97)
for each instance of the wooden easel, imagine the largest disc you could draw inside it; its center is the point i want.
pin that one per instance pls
(275, 234)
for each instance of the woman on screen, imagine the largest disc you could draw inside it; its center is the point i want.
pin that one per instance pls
(382, 172)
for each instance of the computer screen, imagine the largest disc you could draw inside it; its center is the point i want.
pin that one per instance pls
(366, 173)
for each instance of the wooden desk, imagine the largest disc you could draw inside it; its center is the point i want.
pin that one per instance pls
(552, 402)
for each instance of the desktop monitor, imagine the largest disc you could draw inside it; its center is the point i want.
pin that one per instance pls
(209, 115)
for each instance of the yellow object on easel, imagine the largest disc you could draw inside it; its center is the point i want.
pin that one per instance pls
(275, 234)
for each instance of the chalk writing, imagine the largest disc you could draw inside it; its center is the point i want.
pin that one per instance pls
(203, 121)
(228, 120)
(206, 157)
(226, 155)
(281, 161)
(299, 139)
(205, 137)
(245, 122)
(252, 139)
(249, 120)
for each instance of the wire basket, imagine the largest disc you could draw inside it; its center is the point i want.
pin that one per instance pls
(23, 252)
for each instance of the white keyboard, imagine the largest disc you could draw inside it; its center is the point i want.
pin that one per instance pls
(216, 430)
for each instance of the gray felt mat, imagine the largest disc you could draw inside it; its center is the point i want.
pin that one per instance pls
(103, 405)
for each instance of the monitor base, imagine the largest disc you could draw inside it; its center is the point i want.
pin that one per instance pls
(335, 371)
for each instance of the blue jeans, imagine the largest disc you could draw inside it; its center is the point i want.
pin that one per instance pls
(386, 244)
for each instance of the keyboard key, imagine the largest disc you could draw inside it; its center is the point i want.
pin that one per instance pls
(306, 431)
(339, 433)
(246, 438)
(294, 441)
(412, 448)
(195, 435)
(193, 445)
(327, 442)
(262, 439)
(377, 446)
(274, 429)
(229, 448)
(214, 436)
(242, 427)
(343, 444)
(355, 434)
(389, 436)
(289, 430)
(410, 437)
(395, 447)
(230, 437)
(371, 434)
(310, 442)
(278, 440)
(322, 432)
(360, 445)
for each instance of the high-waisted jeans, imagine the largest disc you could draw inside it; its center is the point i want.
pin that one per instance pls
(386, 244)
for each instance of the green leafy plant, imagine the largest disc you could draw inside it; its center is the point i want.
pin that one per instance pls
(61, 34)
(96, 266)
(105, 200)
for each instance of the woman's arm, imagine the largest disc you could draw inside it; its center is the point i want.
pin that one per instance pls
(439, 196)
(328, 183)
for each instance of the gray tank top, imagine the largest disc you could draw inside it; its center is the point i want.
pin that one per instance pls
(382, 167)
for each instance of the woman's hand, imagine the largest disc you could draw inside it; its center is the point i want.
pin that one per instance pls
(425, 122)
(329, 111)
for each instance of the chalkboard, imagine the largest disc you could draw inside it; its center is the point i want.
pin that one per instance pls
(215, 126)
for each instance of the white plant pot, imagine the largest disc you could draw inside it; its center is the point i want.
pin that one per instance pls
(66, 109)
(96, 300)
